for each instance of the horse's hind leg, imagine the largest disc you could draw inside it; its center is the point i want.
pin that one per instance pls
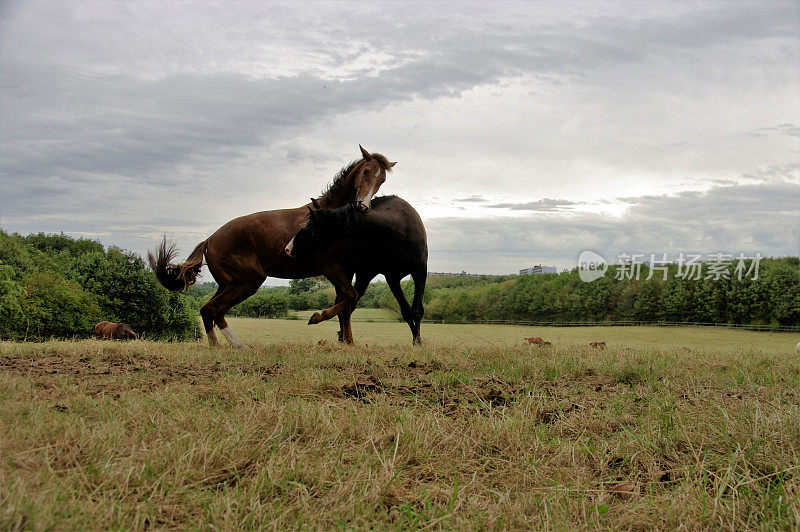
(417, 310)
(405, 310)
(223, 300)
(362, 282)
(207, 313)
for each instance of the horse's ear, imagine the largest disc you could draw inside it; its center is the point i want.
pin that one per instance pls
(311, 212)
(365, 153)
(315, 204)
(391, 165)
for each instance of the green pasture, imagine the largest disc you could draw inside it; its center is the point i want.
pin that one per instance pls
(260, 331)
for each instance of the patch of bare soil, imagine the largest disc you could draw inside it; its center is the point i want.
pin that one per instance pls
(391, 382)
(56, 364)
(115, 364)
(101, 374)
(411, 383)
(368, 384)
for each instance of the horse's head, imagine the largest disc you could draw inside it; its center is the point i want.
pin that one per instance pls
(322, 226)
(369, 176)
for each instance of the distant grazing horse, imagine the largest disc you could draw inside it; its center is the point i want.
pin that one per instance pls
(535, 340)
(389, 239)
(243, 252)
(114, 331)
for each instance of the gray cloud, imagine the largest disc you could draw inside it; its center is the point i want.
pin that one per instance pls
(116, 113)
(788, 130)
(737, 219)
(471, 199)
(775, 173)
(97, 116)
(542, 205)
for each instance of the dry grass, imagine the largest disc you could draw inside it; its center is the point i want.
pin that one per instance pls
(289, 435)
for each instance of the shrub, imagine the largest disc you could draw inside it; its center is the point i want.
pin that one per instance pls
(53, 285)
(52, 306)
(262, 305)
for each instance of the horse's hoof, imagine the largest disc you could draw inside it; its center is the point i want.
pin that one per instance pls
(315, 318)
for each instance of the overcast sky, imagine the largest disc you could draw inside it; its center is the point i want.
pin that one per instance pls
(524, 132)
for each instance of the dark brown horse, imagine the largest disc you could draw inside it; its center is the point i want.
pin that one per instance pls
(389, 239)
(114, 331)
(243, 252)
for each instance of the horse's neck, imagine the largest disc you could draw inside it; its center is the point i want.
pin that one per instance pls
(340, 199)
(338, 195)
(339, 221)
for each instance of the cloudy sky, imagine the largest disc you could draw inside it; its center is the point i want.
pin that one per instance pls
(524, 132)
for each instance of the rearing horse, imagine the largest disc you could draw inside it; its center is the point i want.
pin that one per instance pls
(243, 252)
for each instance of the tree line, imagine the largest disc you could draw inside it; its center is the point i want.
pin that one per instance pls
(771, 298)
(57, 286)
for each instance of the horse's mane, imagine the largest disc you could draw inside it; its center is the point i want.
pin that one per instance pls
(342, 219)
(338, 183)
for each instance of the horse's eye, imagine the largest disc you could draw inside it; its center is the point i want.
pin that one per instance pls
(366, 172)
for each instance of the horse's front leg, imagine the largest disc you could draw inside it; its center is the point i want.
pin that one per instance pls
(360, 285)
(344, 318)
(347, 299)
(328, 313)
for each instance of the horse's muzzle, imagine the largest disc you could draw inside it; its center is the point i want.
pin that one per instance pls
(362, 207)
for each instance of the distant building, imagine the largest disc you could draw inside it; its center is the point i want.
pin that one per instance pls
(462, 274)
(538, 270)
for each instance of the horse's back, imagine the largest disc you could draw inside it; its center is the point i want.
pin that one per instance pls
(249, 246)
(397, 215)
(394, 236)
(397, 208)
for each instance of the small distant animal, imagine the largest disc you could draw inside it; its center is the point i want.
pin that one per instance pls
(598, 345)
(535, 340)
(114, 331)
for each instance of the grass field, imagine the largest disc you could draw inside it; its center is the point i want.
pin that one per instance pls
(666, 428)
(500, 336)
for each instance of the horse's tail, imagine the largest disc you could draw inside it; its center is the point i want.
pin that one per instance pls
(177, 277)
